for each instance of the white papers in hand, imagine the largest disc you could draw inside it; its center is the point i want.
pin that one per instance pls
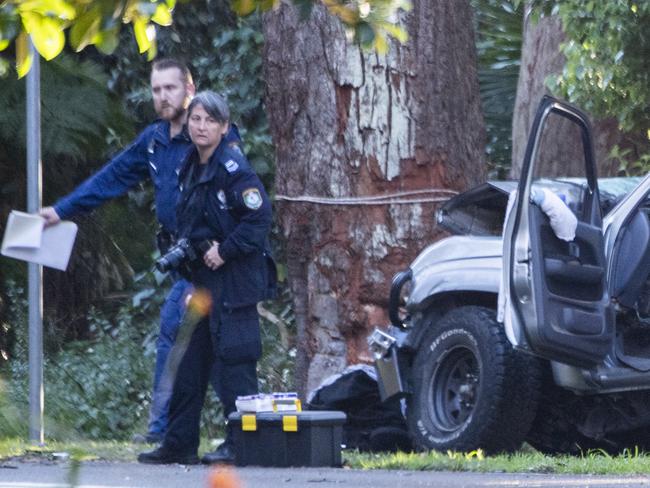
(27, 238)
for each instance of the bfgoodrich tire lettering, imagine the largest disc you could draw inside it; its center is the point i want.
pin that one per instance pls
(471, 389)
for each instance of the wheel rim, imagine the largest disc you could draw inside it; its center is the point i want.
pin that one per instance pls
(454, 389)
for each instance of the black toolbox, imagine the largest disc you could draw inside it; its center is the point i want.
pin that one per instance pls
(310, 438)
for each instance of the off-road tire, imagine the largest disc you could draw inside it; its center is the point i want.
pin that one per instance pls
(471, 390)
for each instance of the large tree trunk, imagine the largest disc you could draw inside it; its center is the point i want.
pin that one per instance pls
(540, 58)
(347, 123)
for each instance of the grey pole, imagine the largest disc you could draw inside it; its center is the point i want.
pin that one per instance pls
(35, 271)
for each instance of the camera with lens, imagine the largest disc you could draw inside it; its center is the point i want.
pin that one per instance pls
(181, 252)
(184, 252)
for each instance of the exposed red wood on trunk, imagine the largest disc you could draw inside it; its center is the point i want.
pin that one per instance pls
(343, 99)
(353, 124)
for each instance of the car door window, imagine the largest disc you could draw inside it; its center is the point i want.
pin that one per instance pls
(560, 161)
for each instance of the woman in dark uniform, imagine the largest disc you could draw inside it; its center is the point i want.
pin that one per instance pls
(225, 214)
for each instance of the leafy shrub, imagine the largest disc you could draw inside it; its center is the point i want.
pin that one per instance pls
(499, 35)
(98, 388)
(606, 69)
(101, 388)
(276, 366)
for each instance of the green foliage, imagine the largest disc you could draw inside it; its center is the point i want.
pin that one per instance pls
(224, 53)
(607, 68)
(97, 388)
(237, 74)
(607, 71)
(100, 23)
(12, 423)
(278, 327)
(76, 113)
(368, 22)
(628, 163)
(499, 33)
(75, 110)
(101, 388)
(96, 23)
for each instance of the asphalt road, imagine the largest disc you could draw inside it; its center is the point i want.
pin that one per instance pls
(131, 475)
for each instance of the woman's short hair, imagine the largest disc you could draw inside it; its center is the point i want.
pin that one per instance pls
(213, 103)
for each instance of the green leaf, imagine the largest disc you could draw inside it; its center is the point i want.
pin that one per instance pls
(141, 37)
(365, 34)
(46, 33)
(24, 56)
(396, 31)
(163, 15)
(380, 44)
(268, 4)
(50, 40)
(50, 8)
(4, 44)
(85, 29)
(243, 7)
(31, 21)
(107, 40)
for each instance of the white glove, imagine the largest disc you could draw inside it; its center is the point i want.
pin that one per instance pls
(563, 221)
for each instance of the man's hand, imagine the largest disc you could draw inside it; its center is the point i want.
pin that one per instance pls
(212, 259)
(50, 216)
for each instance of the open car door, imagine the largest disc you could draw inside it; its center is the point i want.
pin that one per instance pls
(559, 304)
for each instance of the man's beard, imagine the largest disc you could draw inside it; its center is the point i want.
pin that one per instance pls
(170, 113)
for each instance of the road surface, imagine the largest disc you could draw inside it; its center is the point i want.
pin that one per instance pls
(101, 474)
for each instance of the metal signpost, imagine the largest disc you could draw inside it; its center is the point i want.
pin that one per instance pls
(35, 271)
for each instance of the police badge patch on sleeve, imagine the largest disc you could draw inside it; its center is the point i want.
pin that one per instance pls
(252, 198)
(231, 166)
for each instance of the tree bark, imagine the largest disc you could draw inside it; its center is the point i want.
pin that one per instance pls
(540, 58)
(348, 123)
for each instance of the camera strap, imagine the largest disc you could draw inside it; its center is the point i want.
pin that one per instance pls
(164, 240)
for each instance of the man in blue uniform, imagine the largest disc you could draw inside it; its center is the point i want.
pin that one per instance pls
(156, 153)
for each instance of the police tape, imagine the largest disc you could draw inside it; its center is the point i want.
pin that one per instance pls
(398, 198)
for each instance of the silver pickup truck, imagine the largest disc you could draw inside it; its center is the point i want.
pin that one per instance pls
(568, 368)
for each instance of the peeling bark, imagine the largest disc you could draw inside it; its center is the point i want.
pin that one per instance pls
(349, 124)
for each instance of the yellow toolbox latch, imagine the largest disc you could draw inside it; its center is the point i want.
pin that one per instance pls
(290, 423)
(248, 423)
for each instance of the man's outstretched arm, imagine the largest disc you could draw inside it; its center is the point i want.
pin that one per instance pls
(118, 176)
